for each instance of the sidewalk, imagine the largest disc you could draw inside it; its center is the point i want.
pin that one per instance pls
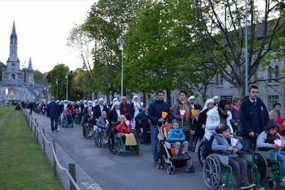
(84, 181)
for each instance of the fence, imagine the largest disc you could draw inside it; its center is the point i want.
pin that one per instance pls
(71, 171)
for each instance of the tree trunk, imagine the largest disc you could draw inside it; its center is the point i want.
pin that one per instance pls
(168, 97)
(144, 99)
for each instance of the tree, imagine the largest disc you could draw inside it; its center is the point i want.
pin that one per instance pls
(164, 51)
(106, 23)
(2, 67)
(57, 78)
(40, 78)
(221, 25)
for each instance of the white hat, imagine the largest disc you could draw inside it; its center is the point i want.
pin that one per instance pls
(115, 99)
(191, 98)
(101, 99)
(89, 102)
(215, 97)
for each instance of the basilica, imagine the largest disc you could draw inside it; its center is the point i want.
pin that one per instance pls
(18, 84)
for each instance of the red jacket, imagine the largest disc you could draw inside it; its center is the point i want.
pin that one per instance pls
(123, 128)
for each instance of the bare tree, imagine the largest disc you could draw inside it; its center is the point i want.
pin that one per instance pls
(221, 25)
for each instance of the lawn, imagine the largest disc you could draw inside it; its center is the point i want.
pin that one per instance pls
(22, 163)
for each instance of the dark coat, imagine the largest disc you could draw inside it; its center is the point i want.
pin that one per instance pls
(97, 111)
(142, 120)
(113, 116)
(245, 116)
(199, 132)
(85, 111)
(53, 110)
(155, 111)
(129, 114)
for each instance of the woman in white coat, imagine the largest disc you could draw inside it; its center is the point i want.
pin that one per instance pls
(137, 108)
(217, 117)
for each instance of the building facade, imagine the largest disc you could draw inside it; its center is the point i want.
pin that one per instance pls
(18, 84)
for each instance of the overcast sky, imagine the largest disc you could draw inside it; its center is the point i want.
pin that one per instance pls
(42, 27)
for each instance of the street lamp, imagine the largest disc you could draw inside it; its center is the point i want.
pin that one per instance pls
(121, 47)
(66, 76)
(84, 82)
(56, 89)
(245, 54)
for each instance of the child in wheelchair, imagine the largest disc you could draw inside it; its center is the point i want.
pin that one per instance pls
(176, 138)
(225, 143)
(271, 140)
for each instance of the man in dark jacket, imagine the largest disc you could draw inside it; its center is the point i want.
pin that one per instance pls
(98, 109)
(53, 112)
(253, 118)
(156, 120)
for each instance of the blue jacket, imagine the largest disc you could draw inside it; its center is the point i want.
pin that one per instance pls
(174, 135)
(220, 143)
(245, 116)
(155, 111)
(263, 141)
(53, 110)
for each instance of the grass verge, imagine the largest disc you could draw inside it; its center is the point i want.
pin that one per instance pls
(22, 163)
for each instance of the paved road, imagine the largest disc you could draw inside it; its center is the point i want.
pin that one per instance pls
(127, 171)
(103, 170)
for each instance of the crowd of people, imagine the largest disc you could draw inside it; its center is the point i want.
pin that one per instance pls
(215, 122)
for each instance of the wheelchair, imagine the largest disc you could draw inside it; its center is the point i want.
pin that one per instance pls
(218, 173)
(98, 136)
(274, 170)
(117, 145)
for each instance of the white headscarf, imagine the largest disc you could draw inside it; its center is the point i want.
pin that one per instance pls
(115, 104)
(206, 104)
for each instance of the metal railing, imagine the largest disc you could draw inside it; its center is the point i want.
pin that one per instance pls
(71, 172)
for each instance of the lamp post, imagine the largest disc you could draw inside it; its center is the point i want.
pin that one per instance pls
(245, 54)
(56, 89)
(66, 76)
(84, 82)
(121, 47)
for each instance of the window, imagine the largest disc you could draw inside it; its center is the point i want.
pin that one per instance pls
(276, 72)
(221, 80)
(270, 74)
(271, 101)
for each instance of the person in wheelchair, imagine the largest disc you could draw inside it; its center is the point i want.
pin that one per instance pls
(224, 142)
(176, 138)
(271, 140)
(124, 131)
(68, 114)
(103, 125)
(88, 121)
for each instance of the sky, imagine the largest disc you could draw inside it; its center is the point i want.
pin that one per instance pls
(42, 27)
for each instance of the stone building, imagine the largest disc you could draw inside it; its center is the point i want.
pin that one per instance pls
(18, 84)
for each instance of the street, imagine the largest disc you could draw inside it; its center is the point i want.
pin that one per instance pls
(126, 171)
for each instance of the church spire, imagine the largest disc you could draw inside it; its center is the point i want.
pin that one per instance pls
(30, 67)
(13, 45)
(13, 37)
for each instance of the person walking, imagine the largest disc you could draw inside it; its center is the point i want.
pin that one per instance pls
(155, 115)
(253, 117)
(53, 112)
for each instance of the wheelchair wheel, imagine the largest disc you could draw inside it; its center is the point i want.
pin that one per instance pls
(96, 138)
(271, 184)
(85, 129)
(202, 153)
(111, 143)
(212, 172)
(77, 119)
(262, 166)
